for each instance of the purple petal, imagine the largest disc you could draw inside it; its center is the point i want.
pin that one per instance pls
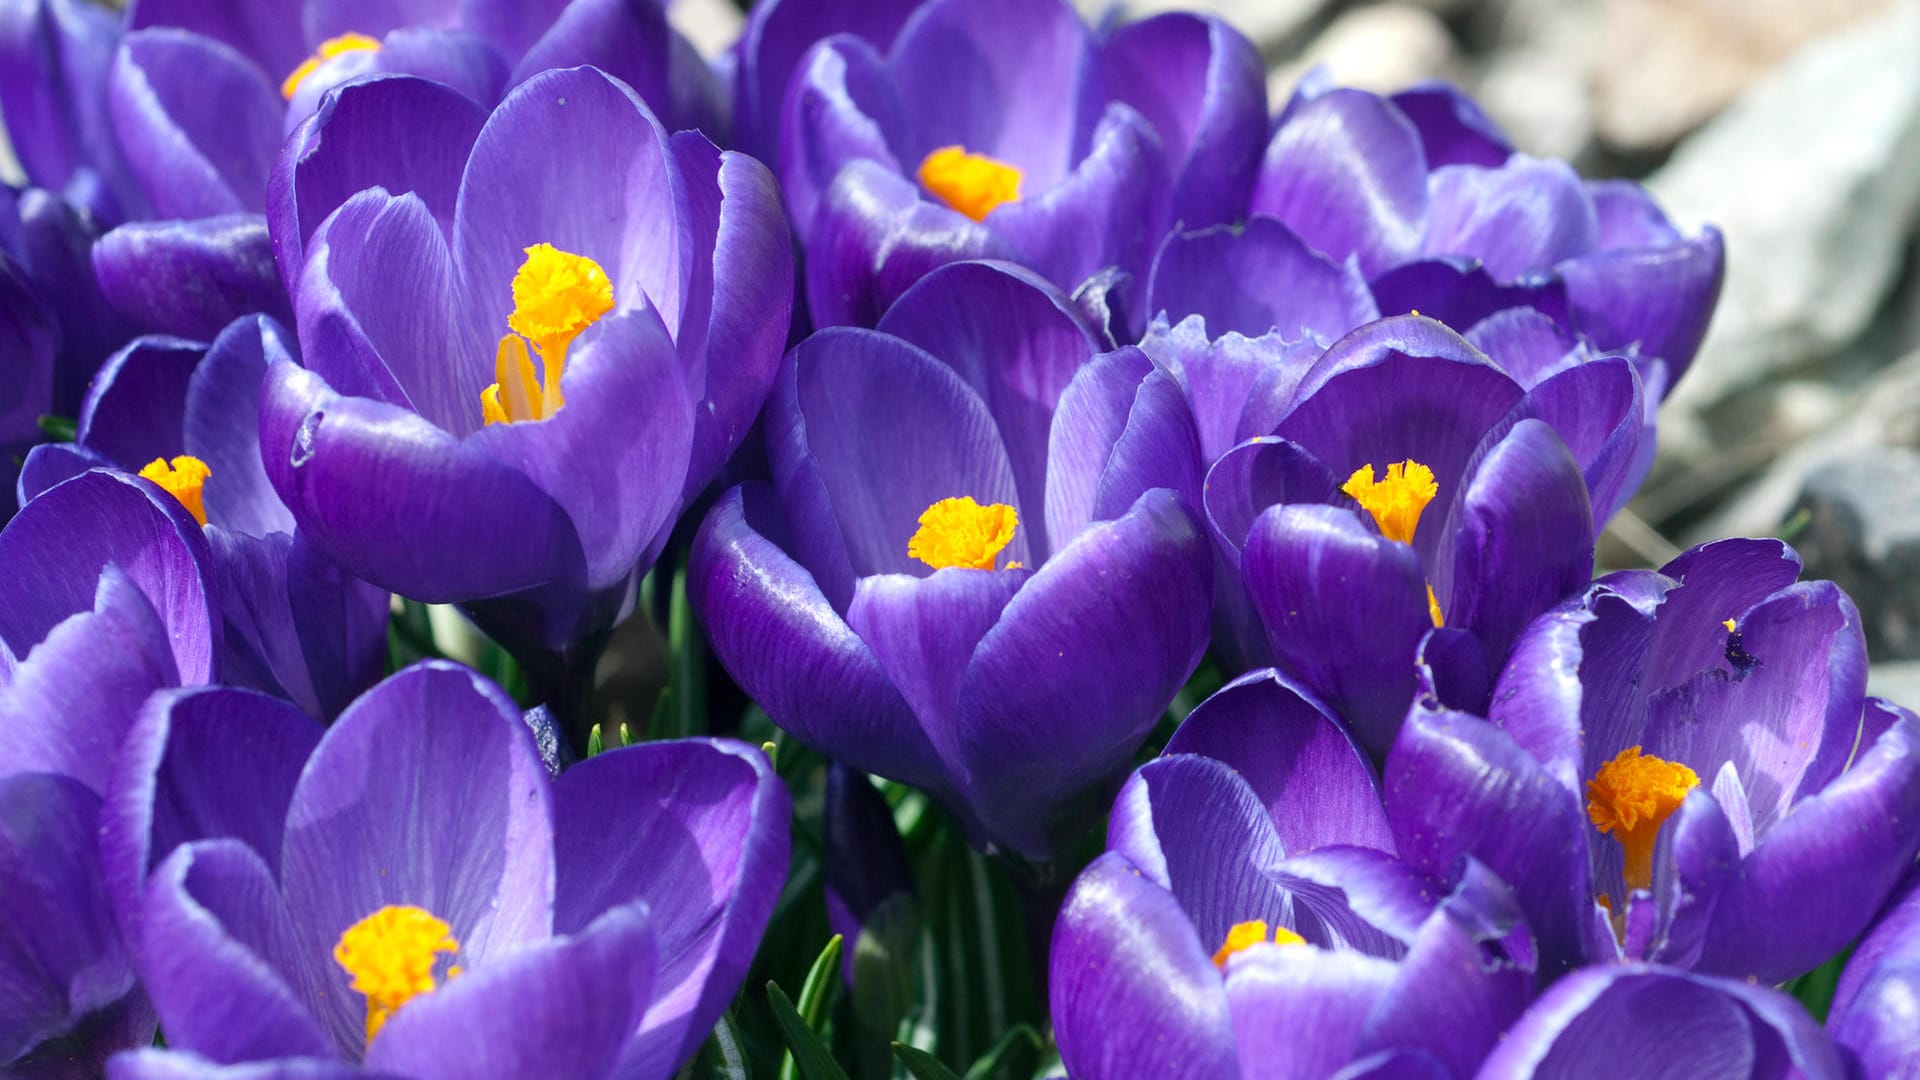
(172, 784)
(1237, 387)
(778, 636)
(49, 465)
(190, 278)
(179, 1065)
(1527, 344)
(778, 32)
(1352, 647)
(1567, 693)
(1456, 785)
(276, 44)
(1122, 429)
(1525, 215)
(1097, 643)
(1890, 942)
(635, 44)
(1357, 898)
(60, 957)
(1881, 1034)
(1454, 997)
(463, 62)
(222, 426)
(437, 496)
(198, 122)
(698, 830)
(1302, 1005)
(1460, 292)
(54, 59)
(841, 108)
(57, 241)
(1202, 86)
(513, 25)
(1718, 581)
(1093, 218)
(1017, 341)
(1315, 782)
(427, 791)
(1257, 278)
(1131, 986)
(1345, 171)
(562, 1007)
(401, 133)
(224, 962)
(134, 408)
(1599, 409)
(1261, 473)
(868, 882)
(1659, 299)
(1453, 129)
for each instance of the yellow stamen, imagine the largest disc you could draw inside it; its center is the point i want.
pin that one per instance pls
(1433, 608)
(1630, 798)
(391, 955)
(961, 532)
(1730, 624)
(1246, 935)
(184, 479)
(330, 48)
(1395, 502)
(973, 184)
(556, 296)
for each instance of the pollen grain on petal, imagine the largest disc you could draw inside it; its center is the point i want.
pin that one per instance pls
(330, 48)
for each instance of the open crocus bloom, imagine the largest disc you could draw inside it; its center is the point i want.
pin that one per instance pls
(1410, 485)
(1878, 998)
(1420, 198)
(1671, 771)
(1060, 594)
(392, 893)
(185, 416)
(1005, 129)
(507, 399)
(1233, 929)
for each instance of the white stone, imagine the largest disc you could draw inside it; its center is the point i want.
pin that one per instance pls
(1270, 24)
(711, 25)
(1380, 48)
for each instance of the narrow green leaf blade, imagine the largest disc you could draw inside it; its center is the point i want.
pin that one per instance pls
(810, 1057)
(922, 1065)
(1017, 1037)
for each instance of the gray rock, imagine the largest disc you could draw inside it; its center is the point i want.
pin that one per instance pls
(711, 25)
(1273, 25)
(1814, 176)
(1381, 48)
(1535, 84)
(1863, 531)
(1897, 681)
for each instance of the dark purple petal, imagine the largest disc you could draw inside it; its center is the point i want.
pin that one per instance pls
(778, 636)
(635, 44)
(464, 62)
(1082, 664)
(224, 962)
(1018, 342)
(1261, 473)
(1705, 853)
(1599, 409)
(1345, 171)
(1567, 693)
(1237, 387)
(54, 58)
(1202, 86)
(873, 237)
(1718, 581)
(1456, 785)
(190, 278)
(778, 32)
(1453, 998)
(275, 43)
(55, 548)
(1522, 538)
(1100, 215)
(173, 784)
(1315, 782)
(30, 338)
(199, 123)
(698, 830)
(513, 25)
(841, 108)
(1196, 829)
(60, 956)
(134, 409)
(437, 496)
(1527, 344)
(401, 133)
(1302, 1005)
(222, 426)
(1657, 298)
(1256, 278)
(1344, 609)
(49, 465)
(1453, 129)
(1122, 428)
(1460, 292)
(563, 1007)
(1525, 215)
(1132, 988)
(868, 881)
(57, 242)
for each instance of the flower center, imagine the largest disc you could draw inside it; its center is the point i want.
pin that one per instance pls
(1396, 504)
(556, 295)
(330, 48)
(1246, 935)
(971, 183)
(961, 532)
(183, 479)
(1630, 798)
(391, 955)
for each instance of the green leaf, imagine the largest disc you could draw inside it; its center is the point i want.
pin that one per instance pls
(596, 741)
(59, 428)
(816, 994)
(922, 1065)
(809, 1055)
(1815, 989)
(1016, 1037)
(723, 1056)
(689, 659)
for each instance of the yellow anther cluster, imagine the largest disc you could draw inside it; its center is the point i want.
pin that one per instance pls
(961, 532)
(1395, 502)
(330, 48)
(1246, 935)
(1630, 798)
(185, 478)
(391, 955)
(556, 296)
(973, 184)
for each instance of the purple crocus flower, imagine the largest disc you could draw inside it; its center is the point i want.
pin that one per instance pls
(185, 416)
(1876, 1007)
(1006, 129)
(1409, 482)
(54, 59)
(47, 244)
(394, 893)
(1644, 1020)
(1670, 772)
(102, 601)
(421, 449)
(1242, 924)
(974, 571)
(777, 35)
(1418, 198)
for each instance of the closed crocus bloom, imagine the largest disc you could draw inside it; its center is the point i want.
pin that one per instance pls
(974, 571)
(1875, 1016)
(1670, 772)
(514, 382)
(394, 895)
(1229, 932)
(1664, 1024)
(1007, 129)
(1411, 485)
(1420, 197)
